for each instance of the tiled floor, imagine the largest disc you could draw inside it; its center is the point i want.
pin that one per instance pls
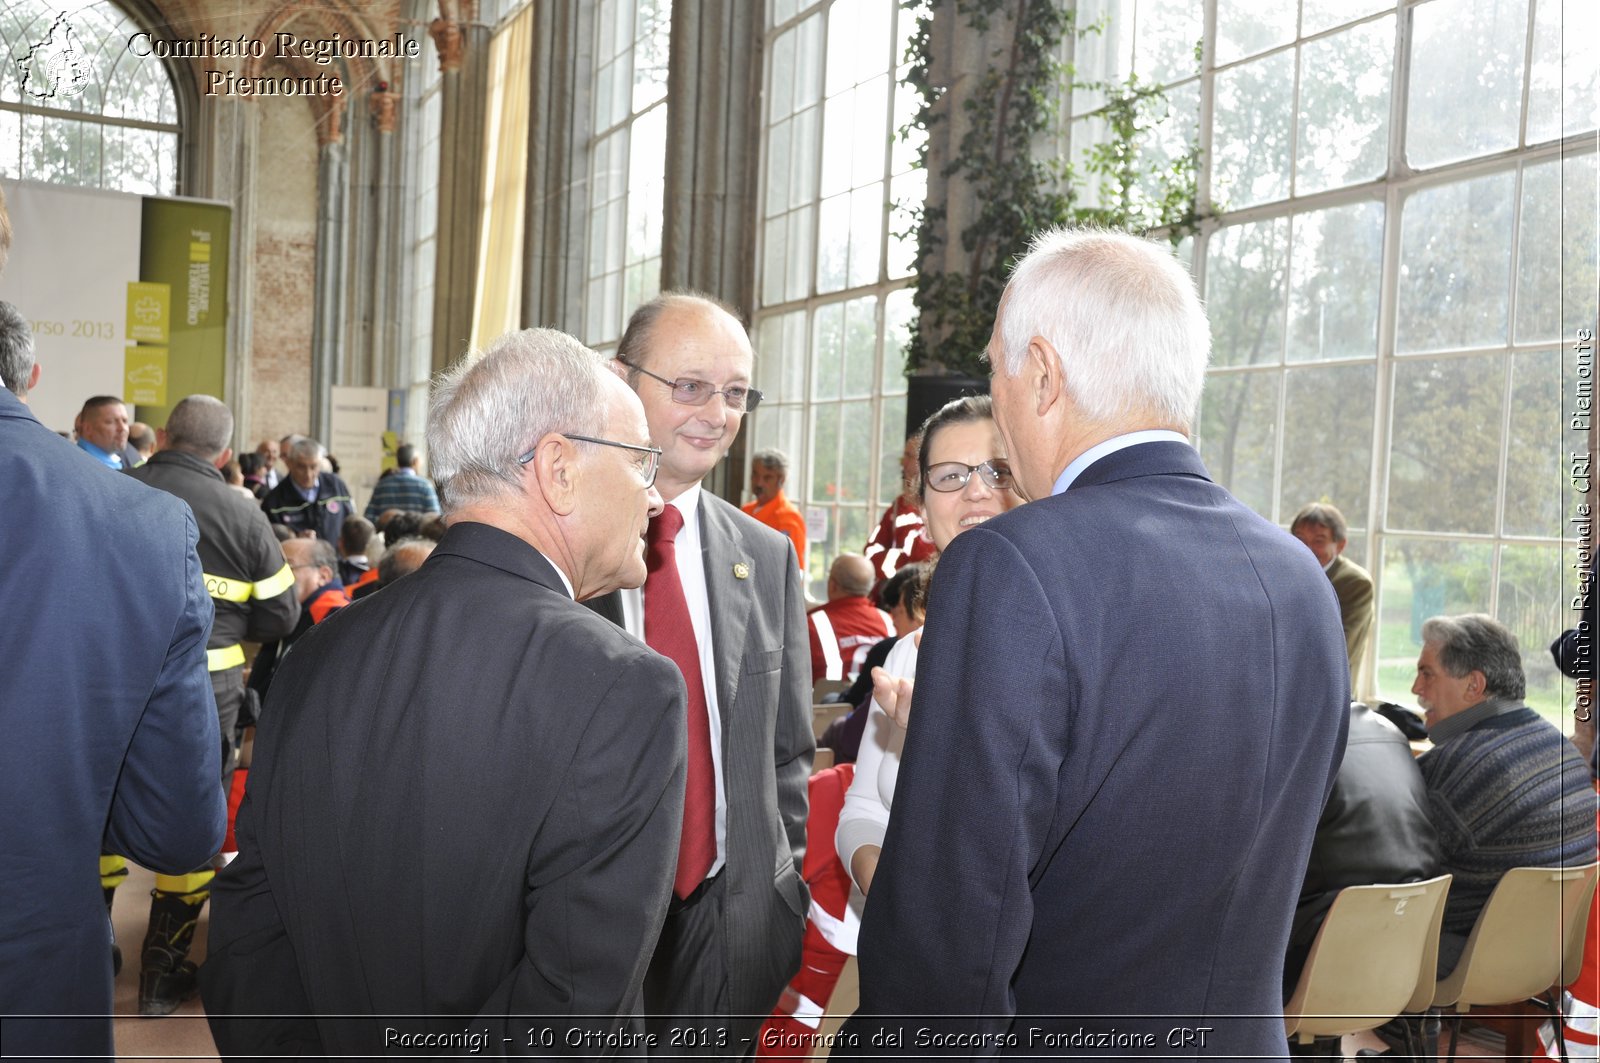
(184, 1034)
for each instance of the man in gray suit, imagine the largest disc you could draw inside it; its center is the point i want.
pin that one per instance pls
(732, 936)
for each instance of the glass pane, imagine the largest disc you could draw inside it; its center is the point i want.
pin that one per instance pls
(808, 62)
(1327, 439)
(1171, 133)
(824, 453)
(837, 142)
(1556, 263)
(855, 471)
(1249, 27)
(1540, 497)
(1245, 279)
(774, 248)
(1466, 79)
(909, 193)
(872, 132)
(860, 350)
(1344, 107)
(794, 364)
(798, 270)
(898, 311)
(654, 29)
(1319, 15)
(1564, 82)
(867, 216)
(1165, 42)
(1238, 430)
(803, 184)
(780, 76)
(906, 139)
(1334, 283)
(855, 526)
(1444, 454)
(1102, 50)
(779, 166)
(833, 243)
(1254, 127)
(1421, 579)
(1455, 264)
(827, 351)
(1534, 595)
(767, 372)
(891, 442)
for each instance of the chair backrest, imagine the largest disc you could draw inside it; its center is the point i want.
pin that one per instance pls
(823, 687)
(1519, 946)
(1366, 963)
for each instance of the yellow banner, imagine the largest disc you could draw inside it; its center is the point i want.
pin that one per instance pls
(149, 312)
(144, 373)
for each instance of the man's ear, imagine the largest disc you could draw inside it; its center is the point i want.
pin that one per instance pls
(33, 376)
(556, 472)
(1041, 368)
(222, 459)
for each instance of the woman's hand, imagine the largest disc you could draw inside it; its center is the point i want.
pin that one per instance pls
(893, 693)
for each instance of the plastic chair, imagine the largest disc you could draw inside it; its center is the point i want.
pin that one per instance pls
(1373, 958)
(1527, 939)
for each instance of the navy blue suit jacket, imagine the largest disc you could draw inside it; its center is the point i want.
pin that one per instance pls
(108, 727)
(1131, 701)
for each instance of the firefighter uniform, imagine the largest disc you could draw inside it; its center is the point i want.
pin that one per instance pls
(252, 590)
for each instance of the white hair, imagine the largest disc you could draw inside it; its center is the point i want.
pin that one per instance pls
(489, 409)
(1123, 316)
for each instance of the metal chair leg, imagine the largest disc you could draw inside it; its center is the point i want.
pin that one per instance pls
(1455, 1031)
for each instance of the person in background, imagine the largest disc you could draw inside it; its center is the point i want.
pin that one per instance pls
(320, 592)
(404, 488)
(769, 471)
(1324, 531)
(102, 430)
(901, 537)
(355, 540)
(844, 630)
(312, 502)
(268, 451)
(904, 594)
(401, 558)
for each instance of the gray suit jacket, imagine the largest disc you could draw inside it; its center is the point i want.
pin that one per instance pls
(763, 667)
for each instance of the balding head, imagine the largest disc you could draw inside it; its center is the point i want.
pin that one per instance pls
(850, 577)
(200, 425)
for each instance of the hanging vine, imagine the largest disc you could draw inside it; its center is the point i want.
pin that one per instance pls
(1018, 189)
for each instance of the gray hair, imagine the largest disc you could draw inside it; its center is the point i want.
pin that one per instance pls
(1124, 318)
(1322, 515)
(487, 411)
(200, 425)
(772, 459)
(16, 350)
(306, 449)
(403, 558)
(1477, 642)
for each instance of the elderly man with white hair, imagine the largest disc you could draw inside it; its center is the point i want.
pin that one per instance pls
(462, 821)
(1132, 699)
(310, 500)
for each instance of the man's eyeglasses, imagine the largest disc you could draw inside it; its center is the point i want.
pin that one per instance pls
(736, 397)
(647, 465)
(953, 475)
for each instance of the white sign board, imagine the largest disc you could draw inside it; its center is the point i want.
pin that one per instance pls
(73, 253)
(355, 437)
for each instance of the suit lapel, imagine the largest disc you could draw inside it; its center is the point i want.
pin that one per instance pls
(722, 546)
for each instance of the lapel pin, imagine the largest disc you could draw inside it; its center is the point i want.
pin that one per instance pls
(741, 570)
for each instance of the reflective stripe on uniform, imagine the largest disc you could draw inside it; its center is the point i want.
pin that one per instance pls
(833, 664)
(225, 658)
(274, 585)
(226, 588)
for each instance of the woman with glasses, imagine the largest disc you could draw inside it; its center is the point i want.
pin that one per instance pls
(965, 480)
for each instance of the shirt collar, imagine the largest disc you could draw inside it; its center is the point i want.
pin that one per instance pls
(1465, 720)
(565, 582)
(1111, 446)
(688, 504)
(104, 457)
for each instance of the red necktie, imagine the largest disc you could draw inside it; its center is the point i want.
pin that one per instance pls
(669, 631)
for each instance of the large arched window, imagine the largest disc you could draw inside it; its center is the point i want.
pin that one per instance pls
(79, 105)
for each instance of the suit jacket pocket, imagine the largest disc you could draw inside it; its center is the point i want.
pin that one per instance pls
(757, 662)
(790, 886)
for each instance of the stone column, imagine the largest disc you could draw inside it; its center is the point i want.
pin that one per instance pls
(327, 330)
(464, 62)
(555, 237)
(232, 126)
(383, 335)
(713, 165)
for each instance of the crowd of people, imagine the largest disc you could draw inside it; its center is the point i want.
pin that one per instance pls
(538, 776)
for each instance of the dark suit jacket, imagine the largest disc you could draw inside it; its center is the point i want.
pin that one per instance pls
(465, 801)
(108, 729)
(764, 697)
(1131, 701)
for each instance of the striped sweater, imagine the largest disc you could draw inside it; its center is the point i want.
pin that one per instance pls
(1509, 792)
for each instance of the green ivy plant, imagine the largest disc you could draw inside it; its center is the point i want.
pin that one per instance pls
(1019, 190)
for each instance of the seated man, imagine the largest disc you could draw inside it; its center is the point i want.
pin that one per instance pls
(1505, 789)
(1374, 828)
(849, 625)
(1322, 528)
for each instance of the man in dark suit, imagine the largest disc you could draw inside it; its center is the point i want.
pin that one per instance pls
(1132, 697)
(108, 730)
(466, 793)
(732, 937)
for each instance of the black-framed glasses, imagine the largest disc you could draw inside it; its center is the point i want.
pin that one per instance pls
(648, 465)
(689, 392)
(953, 475)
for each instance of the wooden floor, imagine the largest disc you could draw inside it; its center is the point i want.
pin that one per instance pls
(185, 1036)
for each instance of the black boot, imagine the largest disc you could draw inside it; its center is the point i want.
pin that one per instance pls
(116, 951)
(167, 976)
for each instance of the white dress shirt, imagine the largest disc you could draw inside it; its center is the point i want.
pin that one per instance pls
(692, 573)
(1111, 446)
